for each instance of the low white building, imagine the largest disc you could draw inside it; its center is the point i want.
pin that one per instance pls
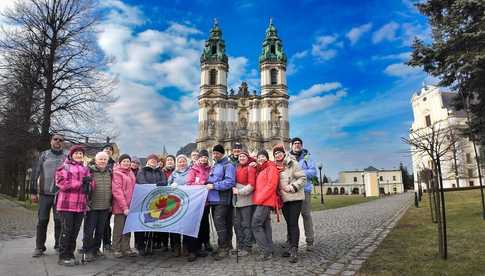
(433, 107)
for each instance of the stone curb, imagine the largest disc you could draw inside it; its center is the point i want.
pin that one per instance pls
(351, 263)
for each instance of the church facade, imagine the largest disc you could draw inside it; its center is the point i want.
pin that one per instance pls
(256, 120)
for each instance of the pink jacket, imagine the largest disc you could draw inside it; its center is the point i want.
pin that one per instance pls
(198, 175)
(69, 180)
(122, 187)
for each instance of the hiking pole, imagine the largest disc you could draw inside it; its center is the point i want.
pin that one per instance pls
(237, 242)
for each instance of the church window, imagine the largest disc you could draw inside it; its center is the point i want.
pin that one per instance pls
(428, 120)
(214, 49)
(355, 179)
(274, 76)
(272, 49)
(468, 157)
(213, 77)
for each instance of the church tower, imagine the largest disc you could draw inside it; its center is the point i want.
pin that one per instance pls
(272, 63)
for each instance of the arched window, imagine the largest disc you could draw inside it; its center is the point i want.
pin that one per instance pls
(274, 76)
(213, 77)
(214, 49)
(272, 49)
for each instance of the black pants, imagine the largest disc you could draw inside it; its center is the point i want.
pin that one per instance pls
(94, 228)
(70, 225)
(230, 225)
(291, 212)
(242, 225)
(143, 239)
(220, 215)
(46, 203)
(194, 244)
(107, 231)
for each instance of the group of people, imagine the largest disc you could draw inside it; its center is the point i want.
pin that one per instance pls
(243, 191)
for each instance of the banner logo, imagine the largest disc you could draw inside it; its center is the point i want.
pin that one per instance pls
(164, 207)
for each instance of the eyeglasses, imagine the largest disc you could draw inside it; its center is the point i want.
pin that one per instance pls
(58, 139)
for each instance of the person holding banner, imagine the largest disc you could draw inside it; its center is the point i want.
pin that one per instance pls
(150, 174)
(220, 182)
(169, 166)
(265, 199)
(122, 187)
(291, 189)
(178, 178)
(198, 175)
(242, 200)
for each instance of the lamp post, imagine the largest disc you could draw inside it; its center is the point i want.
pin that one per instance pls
(363, 182)
(321, 183)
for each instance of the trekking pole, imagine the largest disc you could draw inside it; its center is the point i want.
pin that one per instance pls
(237, 242)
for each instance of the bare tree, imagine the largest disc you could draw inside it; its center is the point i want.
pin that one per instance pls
(60, 37)
(436, 142)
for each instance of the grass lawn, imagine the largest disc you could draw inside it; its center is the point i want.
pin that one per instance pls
(337, 201)
(412, 247)
(26, 204)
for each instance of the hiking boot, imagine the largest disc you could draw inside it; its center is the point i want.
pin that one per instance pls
(294, 255)
(309, 246)
(192, 257)
(118, 254)
(208, 247)
(221, 254)
(286, 254)
(107, 247)
(38, 252)
(264, 257)
(68, 262)
(177, 252)
(129, 253)
(99, 254)
(89, 257)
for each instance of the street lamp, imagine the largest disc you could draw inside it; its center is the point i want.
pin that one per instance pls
(321, 183)
(363, 182)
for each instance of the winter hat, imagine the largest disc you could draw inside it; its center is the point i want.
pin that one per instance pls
(152, 156)
(263, 152)
(204, 153)
(296, 139)
(278, 147)
(170, 156)
(76, 148)
(245, 153)
(123, 157)
(135, 159)
(219, 148)
(108, 146)
(182, 156)
(237, 145)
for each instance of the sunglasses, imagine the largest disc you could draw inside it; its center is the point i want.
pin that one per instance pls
(58, 139)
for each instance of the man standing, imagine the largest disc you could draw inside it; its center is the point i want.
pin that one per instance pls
(194, 156)
(221, 179)
(43, 174)
(303, 157)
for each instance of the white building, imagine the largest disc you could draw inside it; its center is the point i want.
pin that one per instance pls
(433, 107)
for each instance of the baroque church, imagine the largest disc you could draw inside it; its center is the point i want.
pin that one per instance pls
(256, 120)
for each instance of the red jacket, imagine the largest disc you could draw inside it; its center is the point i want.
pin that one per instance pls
(246, 174)
(69, 180)
(266, 184)
(122, 187)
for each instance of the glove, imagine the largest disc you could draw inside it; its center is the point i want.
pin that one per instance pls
(86, 184)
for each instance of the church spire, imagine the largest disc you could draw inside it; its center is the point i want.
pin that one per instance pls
(214, 49)
(272, 46)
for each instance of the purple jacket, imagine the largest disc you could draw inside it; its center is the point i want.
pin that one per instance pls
(223, 176)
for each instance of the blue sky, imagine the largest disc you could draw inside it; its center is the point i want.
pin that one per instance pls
(350, 90)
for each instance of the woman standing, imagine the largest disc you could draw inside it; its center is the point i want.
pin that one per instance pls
(122, 188)
(292, 181)
(198, 175)
(169, 165)
(265, 199)
(242, 199)
(74, 182)
(178, 178)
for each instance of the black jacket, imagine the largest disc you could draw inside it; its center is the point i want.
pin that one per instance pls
(148, 175)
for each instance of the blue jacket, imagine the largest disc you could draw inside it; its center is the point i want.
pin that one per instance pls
(223, 176)
(308, 166)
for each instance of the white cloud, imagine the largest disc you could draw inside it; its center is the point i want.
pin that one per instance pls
(401, 70)
(325, 46)
(356, 33)
(386, 32)
(310, 100)
(122, 14)
(400, 56)
(292, 62)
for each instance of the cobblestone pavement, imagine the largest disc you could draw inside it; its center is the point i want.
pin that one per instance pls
(345, 237)
(15, 221)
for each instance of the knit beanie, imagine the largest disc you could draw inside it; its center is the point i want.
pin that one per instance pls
(76, 148)
(123, 157)
(170, 156)
(204, 153)
(135, 159)
(219, 148)
(237, 145)
(263, 152)
(278, 147)
(152, 156)
(296, 139)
